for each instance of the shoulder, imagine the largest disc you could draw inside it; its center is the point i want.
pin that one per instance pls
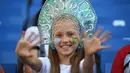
(44, 58)
(124, 51)
(46, 65)
(121, 54)
(45, 61)
(125, 48)
(81, 66)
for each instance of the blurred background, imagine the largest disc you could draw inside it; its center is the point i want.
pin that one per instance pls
(113, 15)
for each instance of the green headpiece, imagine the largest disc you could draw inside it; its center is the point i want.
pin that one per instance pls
(81, 9)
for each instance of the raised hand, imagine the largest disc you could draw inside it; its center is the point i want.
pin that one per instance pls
(24, 46)
(94, 44)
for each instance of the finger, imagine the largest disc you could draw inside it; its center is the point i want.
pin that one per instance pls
(85, 34)
(23, 34)
(105, 47)
(98, 31)
(105, 39)
(38, 35)
(36, 43)
(32, 33)
(17, 50)
(107, 33)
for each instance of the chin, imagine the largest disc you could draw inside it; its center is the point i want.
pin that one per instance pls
(67, 53)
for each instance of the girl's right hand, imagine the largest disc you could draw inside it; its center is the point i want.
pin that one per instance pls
(24, 46)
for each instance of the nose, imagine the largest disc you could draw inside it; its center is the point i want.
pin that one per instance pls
(65, 39)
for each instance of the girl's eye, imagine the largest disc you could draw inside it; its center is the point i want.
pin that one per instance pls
(69, 34)
(58, 35)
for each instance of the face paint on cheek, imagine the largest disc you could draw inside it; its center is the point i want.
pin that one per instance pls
(57, 41)
(74, 40)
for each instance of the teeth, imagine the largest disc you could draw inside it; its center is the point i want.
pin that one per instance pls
(65, 46)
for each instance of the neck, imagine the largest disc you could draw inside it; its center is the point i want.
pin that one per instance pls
(65, 59)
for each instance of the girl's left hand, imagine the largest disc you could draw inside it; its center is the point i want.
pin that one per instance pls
(94, 44)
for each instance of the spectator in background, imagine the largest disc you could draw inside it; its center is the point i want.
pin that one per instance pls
(1, 69)
(121, 61)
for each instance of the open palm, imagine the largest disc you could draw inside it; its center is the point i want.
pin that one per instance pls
(94, 44)
(24, 46)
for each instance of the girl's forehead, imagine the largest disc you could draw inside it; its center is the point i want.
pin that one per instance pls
(64, 23)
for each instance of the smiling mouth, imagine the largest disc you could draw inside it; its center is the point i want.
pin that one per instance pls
(65, 47)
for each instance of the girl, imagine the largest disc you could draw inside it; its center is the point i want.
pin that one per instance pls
(70, 51)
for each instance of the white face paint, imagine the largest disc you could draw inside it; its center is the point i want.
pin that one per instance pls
(57, 40)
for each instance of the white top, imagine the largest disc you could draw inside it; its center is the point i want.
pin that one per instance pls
(46, 66)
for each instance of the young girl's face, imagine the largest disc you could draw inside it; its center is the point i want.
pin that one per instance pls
(65, 34)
